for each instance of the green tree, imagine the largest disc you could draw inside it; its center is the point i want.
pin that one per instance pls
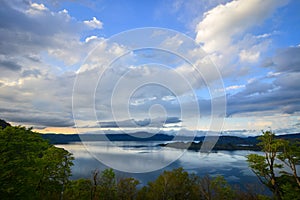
(126, 188)
(215, 188)
(289, 187)
(290, 156)
(78, 189)
(264, 166)
(106, 186)
(289, 182)
(54, 171)
(30, 166)
(20, 151)
(175, 184)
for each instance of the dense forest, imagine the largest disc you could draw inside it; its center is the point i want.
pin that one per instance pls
(32, 168)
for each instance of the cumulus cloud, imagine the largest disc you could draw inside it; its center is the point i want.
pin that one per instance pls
(41, 51)
(88, 39)
(94, 23)
(249, 56)
(36, 8)
(39, 100)
(227, 34)
(27, 35)
(33, 41)
(225, 21)
(275, 92)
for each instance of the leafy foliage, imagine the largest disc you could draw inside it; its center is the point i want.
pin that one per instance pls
(78, 189)
(174, 184)
(31, 168)
(126, 188)
(276, 150)
(290, 156)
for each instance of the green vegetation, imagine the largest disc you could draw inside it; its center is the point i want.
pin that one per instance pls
(31, 168)
(270, 169)
(175, 184)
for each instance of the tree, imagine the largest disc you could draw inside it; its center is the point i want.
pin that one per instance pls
(276, 150)
(289, 187)
(175, 184)
(106, 188)
(78, 189)
(30, 166)
(126, 188)
(215, 188)
(264, 166)
(55, 169)
(289, 182)
(290, 156)
(20, 151)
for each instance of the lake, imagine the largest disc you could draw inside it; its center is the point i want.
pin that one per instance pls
(145, 161)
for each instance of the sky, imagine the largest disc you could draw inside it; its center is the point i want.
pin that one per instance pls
(160, 66)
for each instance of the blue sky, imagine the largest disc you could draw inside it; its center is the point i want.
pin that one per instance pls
(254, 46)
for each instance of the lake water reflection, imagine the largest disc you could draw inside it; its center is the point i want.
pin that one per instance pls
(146, 155)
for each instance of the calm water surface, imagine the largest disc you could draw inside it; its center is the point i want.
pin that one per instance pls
(145, 156)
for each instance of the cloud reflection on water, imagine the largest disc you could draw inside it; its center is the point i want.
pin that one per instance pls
(140, 155)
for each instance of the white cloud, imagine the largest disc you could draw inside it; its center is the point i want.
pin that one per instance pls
(265, 35)
(226, 33)
(249, 56)
(39, 89)
(36, 83)
(273, 74)
(172, 42)
(94, 23)
(90, 38)
(36, 8)
(234, 87)
(223, 22)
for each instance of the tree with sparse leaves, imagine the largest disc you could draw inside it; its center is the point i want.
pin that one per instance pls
(277, 154)
(290, 156)
(264, 166)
